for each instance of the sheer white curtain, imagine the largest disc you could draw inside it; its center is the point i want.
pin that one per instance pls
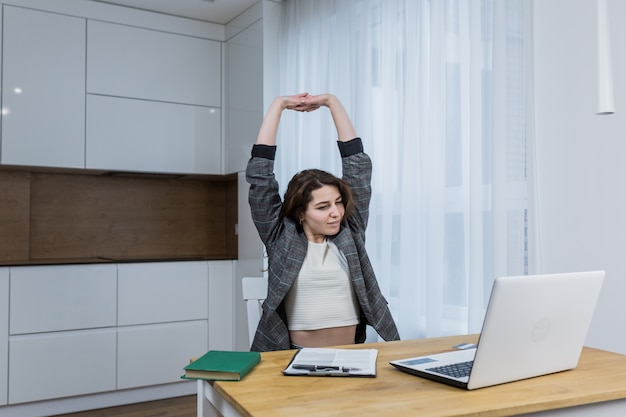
(439, 91)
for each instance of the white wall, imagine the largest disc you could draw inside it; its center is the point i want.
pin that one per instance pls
(581, 169)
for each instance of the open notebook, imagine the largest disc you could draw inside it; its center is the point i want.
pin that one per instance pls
(534, 325)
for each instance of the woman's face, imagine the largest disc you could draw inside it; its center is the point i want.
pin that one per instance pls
(323, 214)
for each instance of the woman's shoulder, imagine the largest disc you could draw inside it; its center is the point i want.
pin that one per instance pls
(286, 236)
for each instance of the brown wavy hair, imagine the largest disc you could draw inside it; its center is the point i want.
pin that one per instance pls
(298, 194)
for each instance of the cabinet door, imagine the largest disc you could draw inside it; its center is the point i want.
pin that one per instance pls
(156, 354)
(244, 92)
(67, 297)
(221, 306)
(162, 292)
(123, 61)
(43, 89)
(4, 333)
(150, 136)
(61, 364)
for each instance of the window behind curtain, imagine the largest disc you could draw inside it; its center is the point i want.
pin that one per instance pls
(438, 91)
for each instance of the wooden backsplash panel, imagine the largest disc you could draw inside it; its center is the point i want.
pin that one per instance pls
(128, 217)
(232, 217)
(14, 215)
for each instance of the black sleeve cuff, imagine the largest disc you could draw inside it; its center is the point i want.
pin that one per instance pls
(350, 147)
(264, 151)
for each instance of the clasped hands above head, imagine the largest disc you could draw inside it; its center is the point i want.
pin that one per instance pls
(305, 102)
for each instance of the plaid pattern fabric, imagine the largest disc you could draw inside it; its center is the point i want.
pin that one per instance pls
(286, 246)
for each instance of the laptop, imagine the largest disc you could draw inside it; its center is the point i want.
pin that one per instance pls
(535, 325)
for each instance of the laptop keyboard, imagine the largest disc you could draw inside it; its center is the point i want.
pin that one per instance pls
(455, 370)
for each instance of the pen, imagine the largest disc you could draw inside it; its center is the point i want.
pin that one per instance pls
(323, 368)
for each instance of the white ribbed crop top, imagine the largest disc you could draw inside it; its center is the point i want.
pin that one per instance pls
(322, 295)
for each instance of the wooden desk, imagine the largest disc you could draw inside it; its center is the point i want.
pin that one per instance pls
(598, 381)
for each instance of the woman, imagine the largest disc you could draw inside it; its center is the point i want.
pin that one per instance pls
(322, 290)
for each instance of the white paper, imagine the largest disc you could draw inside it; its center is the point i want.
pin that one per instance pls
(351, 362)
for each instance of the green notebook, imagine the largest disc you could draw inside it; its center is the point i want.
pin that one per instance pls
(221, 365)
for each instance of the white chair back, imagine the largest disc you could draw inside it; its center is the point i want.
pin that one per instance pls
(254, 293)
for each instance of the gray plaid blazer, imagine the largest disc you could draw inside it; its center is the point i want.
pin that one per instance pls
(286, 246)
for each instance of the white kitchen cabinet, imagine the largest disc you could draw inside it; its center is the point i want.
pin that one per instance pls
(4, 333)
(43, 89)
(244, 92)
(132, 325)
(156, 354)
(151, 136)
(124, 61)
(161, 292)
(61, 364)
(62, 297)
(221, 305)
(169, 312)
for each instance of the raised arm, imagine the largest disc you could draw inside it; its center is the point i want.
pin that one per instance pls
(269, 127)
(343, 124)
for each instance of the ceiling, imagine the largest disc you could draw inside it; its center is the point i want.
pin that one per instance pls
(215, 11)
